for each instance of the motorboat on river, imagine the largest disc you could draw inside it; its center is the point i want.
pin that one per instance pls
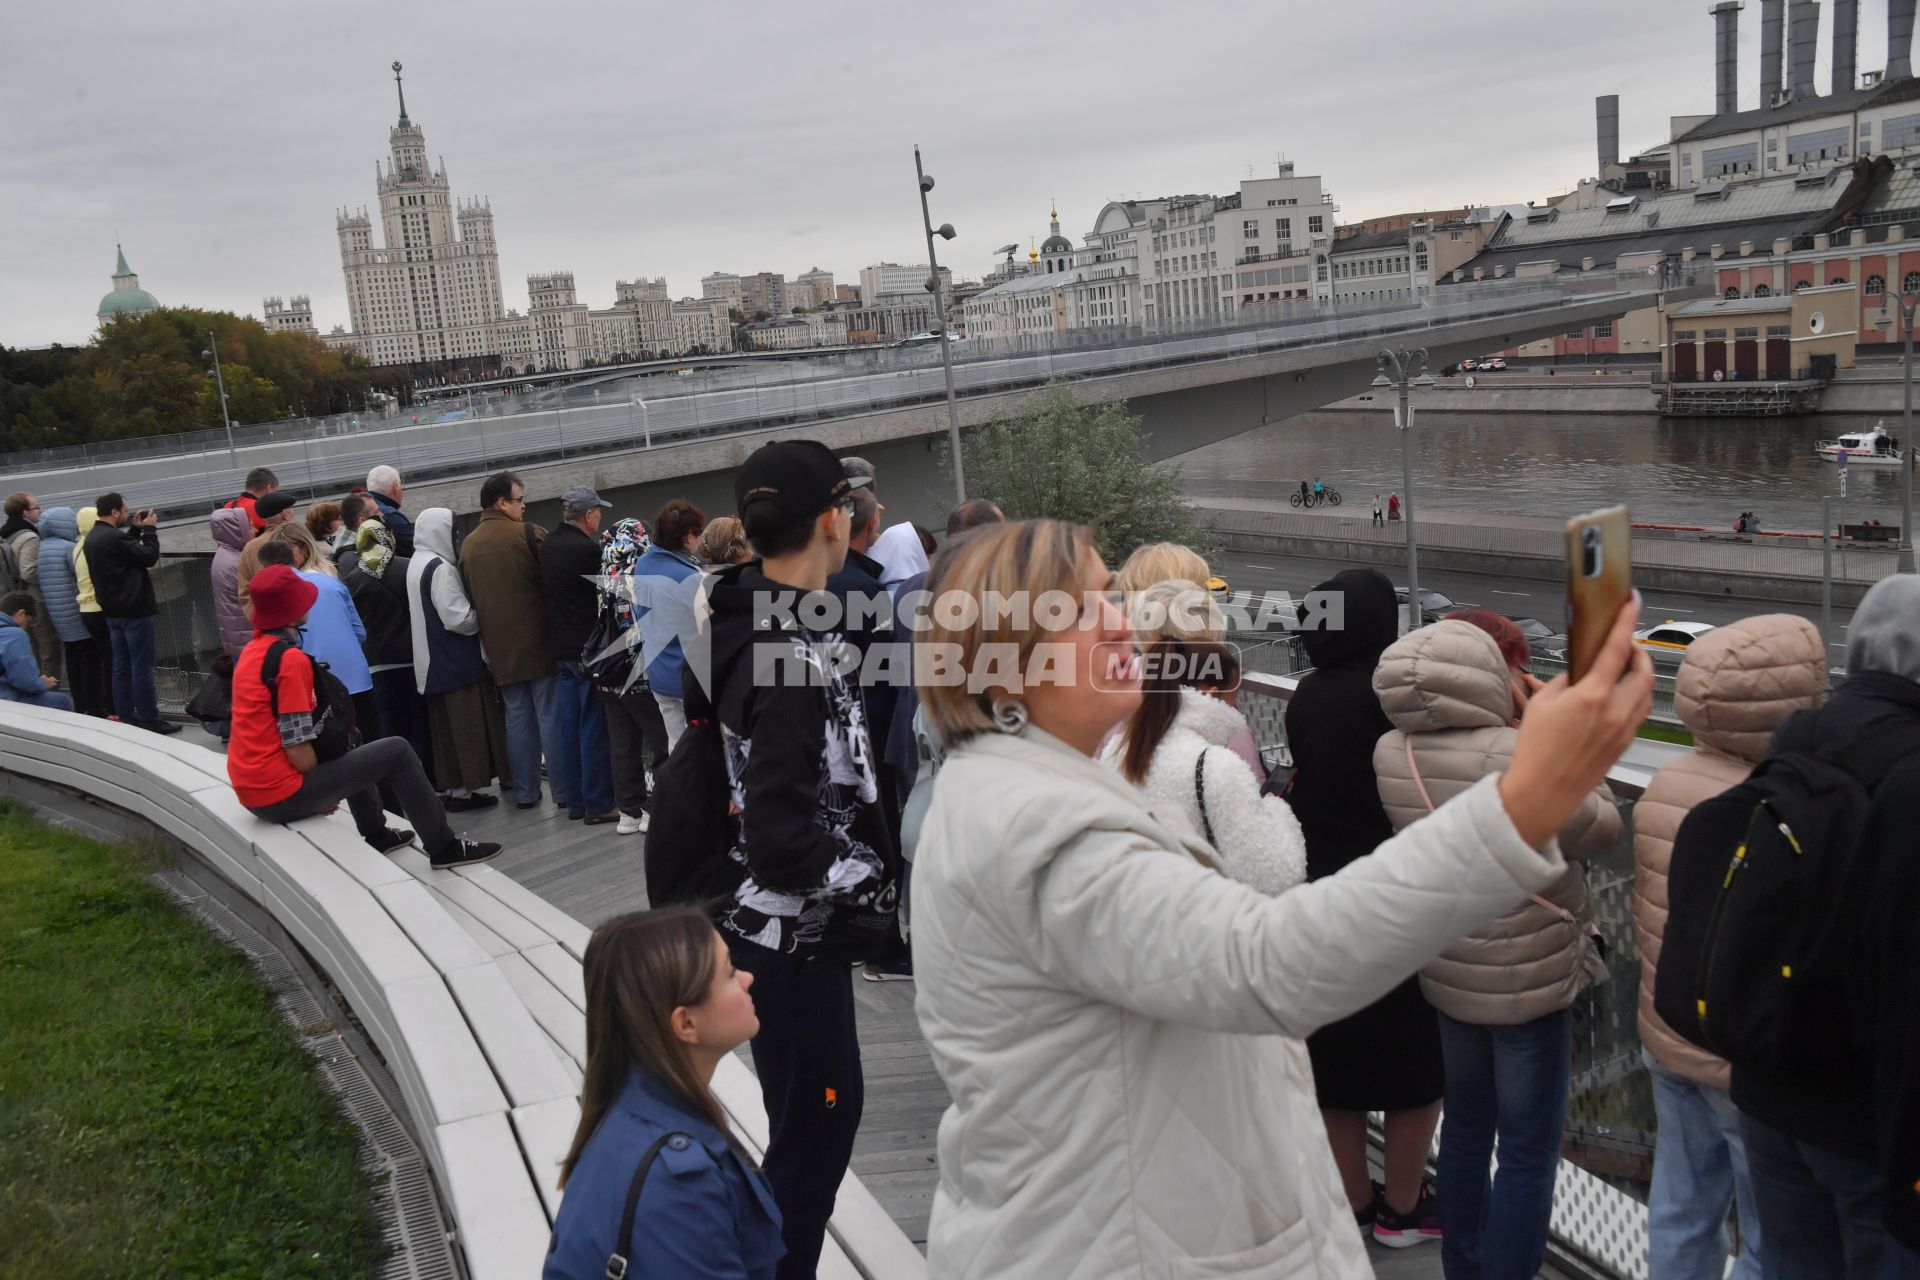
(1870, 448)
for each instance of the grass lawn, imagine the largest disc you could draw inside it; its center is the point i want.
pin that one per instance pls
(1665, 733)
(158, 1117)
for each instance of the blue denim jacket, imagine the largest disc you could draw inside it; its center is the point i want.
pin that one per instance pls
(703, 1214)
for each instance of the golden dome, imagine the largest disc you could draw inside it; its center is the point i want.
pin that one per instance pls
(1033, 254)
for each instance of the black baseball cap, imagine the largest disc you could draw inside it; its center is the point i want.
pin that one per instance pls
(802, 477)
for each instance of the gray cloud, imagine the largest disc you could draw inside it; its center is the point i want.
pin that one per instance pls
(217, 139)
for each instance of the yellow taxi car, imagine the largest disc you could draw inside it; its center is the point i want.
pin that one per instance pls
(1667, 643)
(1217, 587)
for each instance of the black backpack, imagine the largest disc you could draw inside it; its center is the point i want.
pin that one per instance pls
(1764, 894)
(691, 832)
(333, 705)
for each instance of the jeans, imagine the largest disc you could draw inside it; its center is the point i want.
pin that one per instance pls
(529, 708)
(134, 699)
(1510, 1083)
(45, 698)
(1821, 1209)
(674, 713)
(807, 1056)
(356, 778)
(638, 739)
(1699, 1170)
(403, 711)
(578, 757)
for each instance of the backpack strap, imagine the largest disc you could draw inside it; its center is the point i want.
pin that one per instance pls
(1200, 789)
(617, 1261)
(270, 674)
(1413, 766)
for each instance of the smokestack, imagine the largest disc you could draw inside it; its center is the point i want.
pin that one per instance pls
(1899, 39)
(1606, 119)
(1803, 40)
(1846, 45)
(1772, 27)
(1726, 57)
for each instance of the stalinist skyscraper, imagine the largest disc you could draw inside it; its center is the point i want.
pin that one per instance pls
(429, 294)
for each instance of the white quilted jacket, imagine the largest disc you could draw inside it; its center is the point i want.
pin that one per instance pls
(1119, 1022)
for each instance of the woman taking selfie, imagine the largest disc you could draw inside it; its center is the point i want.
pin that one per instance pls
(1117, 1021)
(654, 1175)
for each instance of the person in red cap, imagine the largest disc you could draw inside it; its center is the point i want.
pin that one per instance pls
(273, 758)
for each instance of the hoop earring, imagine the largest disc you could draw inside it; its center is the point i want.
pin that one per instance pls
(1010, 715)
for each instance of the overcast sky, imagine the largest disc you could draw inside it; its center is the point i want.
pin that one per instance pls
(216, 140)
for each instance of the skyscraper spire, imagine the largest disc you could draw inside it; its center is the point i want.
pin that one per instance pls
(402, 89)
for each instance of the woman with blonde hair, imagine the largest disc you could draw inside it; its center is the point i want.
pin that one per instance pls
(654, 1177)
(1118, 1022)
(1176, 744)
(1161, 562)
(311, 554)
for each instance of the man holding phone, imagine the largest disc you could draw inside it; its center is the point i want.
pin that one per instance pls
(120, 549)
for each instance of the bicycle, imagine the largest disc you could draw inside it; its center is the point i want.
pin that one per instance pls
(1329, 496)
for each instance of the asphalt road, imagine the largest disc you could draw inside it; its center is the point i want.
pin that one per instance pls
(1525, 597)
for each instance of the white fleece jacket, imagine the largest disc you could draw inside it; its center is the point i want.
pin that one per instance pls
(1257, 837)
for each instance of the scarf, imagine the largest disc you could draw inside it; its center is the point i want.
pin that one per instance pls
(620, 547)
(376, 547)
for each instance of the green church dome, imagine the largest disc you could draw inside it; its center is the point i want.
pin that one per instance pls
(127, 297)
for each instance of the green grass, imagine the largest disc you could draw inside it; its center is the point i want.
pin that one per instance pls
(158, 1116)
(1663, 733)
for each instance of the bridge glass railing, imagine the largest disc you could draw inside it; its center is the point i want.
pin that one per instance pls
(321, 457)
(1606, 1167)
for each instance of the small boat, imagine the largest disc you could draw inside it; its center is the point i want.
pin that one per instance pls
(1870, 448)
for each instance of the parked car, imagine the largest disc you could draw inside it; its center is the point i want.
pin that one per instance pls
(1494, 362)
(1218, 588)
(1469, 365)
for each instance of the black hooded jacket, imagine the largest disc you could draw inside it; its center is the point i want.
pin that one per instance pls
(821, 867)
(1333, 721)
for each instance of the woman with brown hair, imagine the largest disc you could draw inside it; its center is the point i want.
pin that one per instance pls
(1117, 1021)
(723, 542)
(664, 1005)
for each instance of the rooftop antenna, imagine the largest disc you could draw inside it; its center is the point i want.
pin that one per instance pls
(402, 89)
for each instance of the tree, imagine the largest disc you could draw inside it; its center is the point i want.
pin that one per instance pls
(1086, 463)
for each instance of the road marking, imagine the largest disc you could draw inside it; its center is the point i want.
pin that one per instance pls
(1524, 595)
(1267, 568)
(1832, 645)
(1674, 609)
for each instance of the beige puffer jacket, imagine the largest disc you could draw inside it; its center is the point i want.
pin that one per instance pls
(1445, 687)
(1737, 684)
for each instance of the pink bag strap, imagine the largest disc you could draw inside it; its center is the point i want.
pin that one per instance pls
(1413, 767)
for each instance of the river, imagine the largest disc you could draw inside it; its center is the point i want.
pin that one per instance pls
(1702, 471)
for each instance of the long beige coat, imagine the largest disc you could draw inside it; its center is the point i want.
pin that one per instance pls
(1446, 688)
(1737, 684)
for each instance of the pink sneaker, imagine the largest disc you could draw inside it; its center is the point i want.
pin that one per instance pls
(1403, 1230)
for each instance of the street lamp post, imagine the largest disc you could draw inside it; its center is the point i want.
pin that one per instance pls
(946, 232)
(1903, 560)
(226, 419)
(1400, 370)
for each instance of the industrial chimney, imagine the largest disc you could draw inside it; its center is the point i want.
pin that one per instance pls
(1772, 27)
(1726, 57)
(1846, 45)
(1899, 39)
(1803, 40)
(1606, 119)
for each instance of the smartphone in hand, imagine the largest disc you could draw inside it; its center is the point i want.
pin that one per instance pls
(1599, 580)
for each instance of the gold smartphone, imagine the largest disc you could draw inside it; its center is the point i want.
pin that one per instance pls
(1599, 580)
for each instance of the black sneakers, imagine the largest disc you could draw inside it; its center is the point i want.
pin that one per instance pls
(893, 968)
(391, 840)
(462, 804)
(464, 853)
(1403, 1230)
(160, 726)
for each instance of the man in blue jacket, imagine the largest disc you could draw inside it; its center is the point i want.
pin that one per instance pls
(383, 486)
(20, 678)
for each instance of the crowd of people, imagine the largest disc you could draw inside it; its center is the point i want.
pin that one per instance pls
(1163, 983)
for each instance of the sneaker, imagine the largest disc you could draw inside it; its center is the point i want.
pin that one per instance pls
(1402, 1230)
(160, 726)
(464, 804)
(575, 817)
(631, 825)
(601, 819)
(527, 804)
(1364, 1217)
(391, 840)
(891, 969)
(465, 853)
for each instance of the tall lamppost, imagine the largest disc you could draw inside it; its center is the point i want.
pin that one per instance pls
(946, 232)
(1400, 370)
(1903, 561)
(226, 419)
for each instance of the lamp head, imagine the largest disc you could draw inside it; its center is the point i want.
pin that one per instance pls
(926, 182)
(946, 232)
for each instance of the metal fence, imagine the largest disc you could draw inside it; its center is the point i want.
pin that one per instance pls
(1600, 1212)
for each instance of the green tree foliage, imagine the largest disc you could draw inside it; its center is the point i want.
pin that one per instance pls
(1086, 463)
(145, 375)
